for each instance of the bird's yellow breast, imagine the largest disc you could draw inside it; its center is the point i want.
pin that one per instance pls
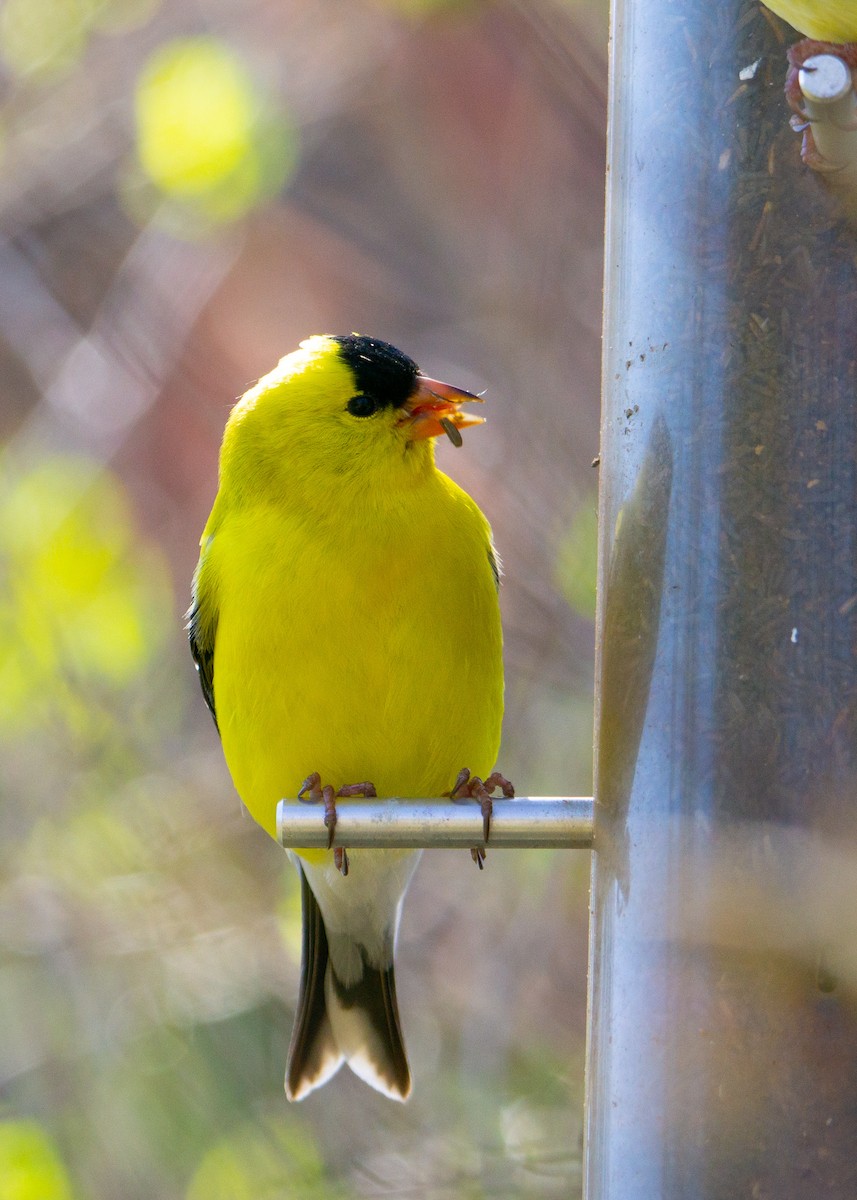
(368, 647)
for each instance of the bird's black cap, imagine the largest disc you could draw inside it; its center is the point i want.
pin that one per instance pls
(381, 371)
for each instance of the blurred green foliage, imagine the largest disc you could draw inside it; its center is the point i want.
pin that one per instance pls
(46, 38)
(263, 1160)
(43, 37)
(207, 137)
(87, 603)
(419, 9)
(30, 1168)
(577, 559)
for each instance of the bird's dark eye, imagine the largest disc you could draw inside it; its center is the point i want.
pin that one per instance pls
(362, 406)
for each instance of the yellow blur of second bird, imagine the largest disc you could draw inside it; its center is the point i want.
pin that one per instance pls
(345, 621)
(825, 20)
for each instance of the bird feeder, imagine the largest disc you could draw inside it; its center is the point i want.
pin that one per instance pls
(722, 1057)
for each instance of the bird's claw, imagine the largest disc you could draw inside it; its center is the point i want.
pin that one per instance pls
(311, 784)
(312, 792)
(471, 787)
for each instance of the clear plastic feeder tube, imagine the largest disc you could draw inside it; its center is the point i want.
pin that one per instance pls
(722, 1057)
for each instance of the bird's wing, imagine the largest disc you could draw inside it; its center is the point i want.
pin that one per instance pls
(202, 629)
(494, 563)
(313, 1053)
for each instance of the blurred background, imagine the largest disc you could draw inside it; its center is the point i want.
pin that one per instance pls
(188, 190)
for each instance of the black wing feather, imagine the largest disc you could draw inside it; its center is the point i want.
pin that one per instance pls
(494, 563)
(201, 630)
(312, 1037)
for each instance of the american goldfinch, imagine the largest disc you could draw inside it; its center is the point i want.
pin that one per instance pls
(346, 628)
(823, 20)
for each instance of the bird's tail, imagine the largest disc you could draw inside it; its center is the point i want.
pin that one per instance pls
(335, 1023)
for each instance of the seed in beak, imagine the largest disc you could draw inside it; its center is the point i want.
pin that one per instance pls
(451, 432)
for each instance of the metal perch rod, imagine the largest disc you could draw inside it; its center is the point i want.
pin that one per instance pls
(534, 823)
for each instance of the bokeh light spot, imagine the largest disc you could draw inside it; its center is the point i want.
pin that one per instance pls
(205, 135)
(88, 602)
(30, 1168)
(43, 37)
(263, 1159)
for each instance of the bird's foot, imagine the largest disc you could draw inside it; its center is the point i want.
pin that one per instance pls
(312, 792)
(471, 787)
(801, 121)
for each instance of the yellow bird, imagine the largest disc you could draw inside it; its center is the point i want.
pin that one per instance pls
(824, 20)
(346, 628)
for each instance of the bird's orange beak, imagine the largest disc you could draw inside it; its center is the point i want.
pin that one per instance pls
(433, 409)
